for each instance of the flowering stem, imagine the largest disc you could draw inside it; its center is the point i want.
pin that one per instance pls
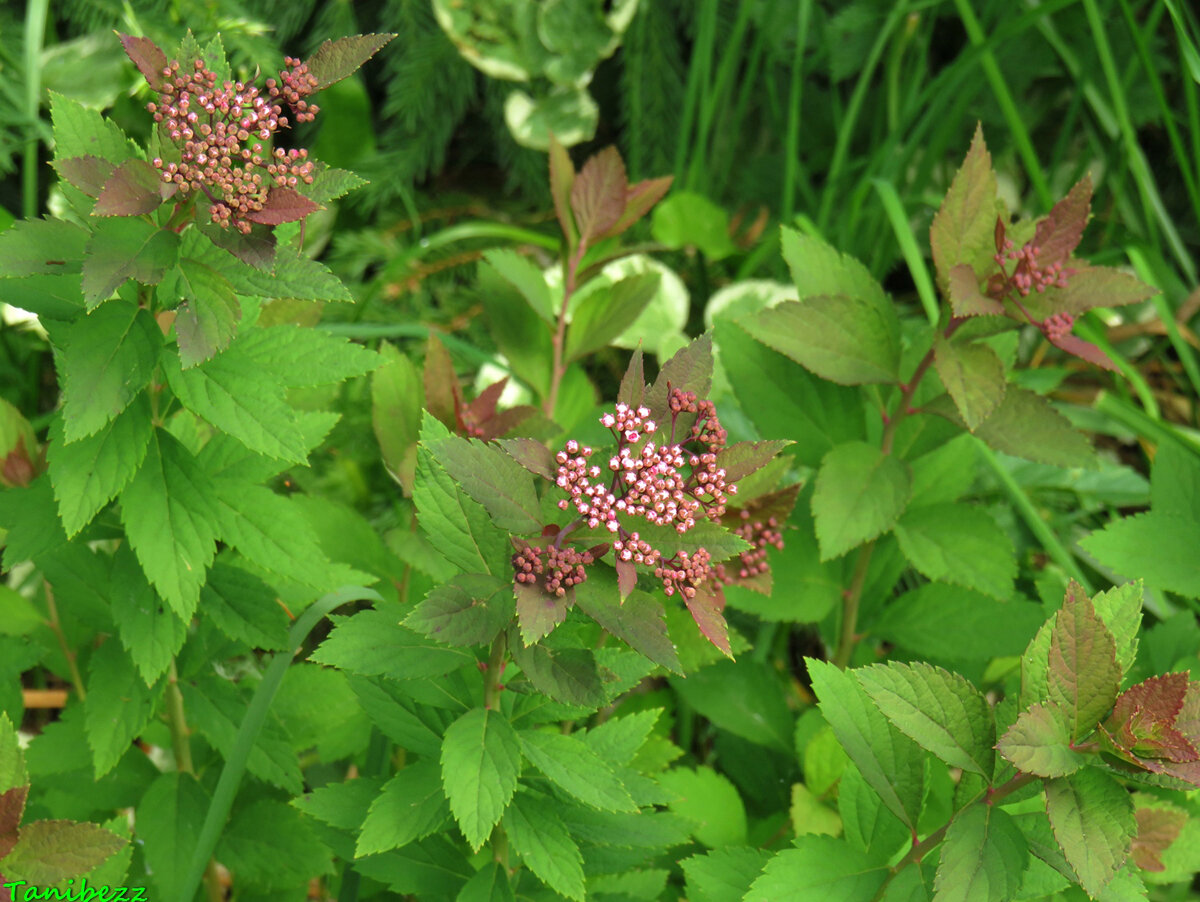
(560, 333)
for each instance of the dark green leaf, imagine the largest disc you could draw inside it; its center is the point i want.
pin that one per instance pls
(150, 630)
(122, 248)
(118, 706)
(527, 278)
(569, 676)
(471, 609)
(207, 317)
(574, 767)
(410, 806)
(719, 692)
(270, 844)
(42, 247)
(492, 478)
(960, 544)
(373, 643)
(169, 817)
(638, 620)
(723, 875)
(244, 608)
(545, 845)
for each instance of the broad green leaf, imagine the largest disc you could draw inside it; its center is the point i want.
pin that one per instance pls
(234, 393)
(783, 399)
(983, 628)
(12, 760)
(1157, 547)
(818, 268)
(481, 761)
(490, 884)
(273, 845)
(974, 377)
(206, 319)
(818, 869)
(638, 620)
(373, 643)
(1040, 742)
(34, 530)
(41, 247)
(396, 400)
(300, 357)
(458, 527)
(50, 297)
(546, 846)
(410, 806)
(170, 519)
(572, 765)
(109, 358)
(79, 131)
(90, 472)
(846, 339)
(1093, 821)
(343, 805)
(860, 493)
(1088, 287)
(939, 710)
(866, 822)
(527, 278)
(51, 851)
(1121, 610)
(809, 814)
(710, 801)
(605, 313)
(570, 676)
(963, 229)
(1083, 678)
(150, 630)
(723, 875)
(169, 817)
(891, 763)
(822, 759)
(688, 219)
(539, 610)
(983, 857)
(471, 609)
(1175, 481)
(335, 60)
(118, 706)
(745, 458)
(618, 739)
(244, 608)
(719, 692)
(1025, 425)
(520, 334)
(690, 369)
(125, 248)
(492, 478)
(960, 544)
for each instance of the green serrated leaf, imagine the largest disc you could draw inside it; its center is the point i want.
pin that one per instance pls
(638, 620)
(492, 478)
(244, 608)
(545, 845)
(575, 768)
(618, 739)
(1121, 610)
(866, 823)
(109, 358)
(373, 643)
(118, 706)
(818, 869)
(708, 800)
(335, 60)
(471, 609)
(983, 857)
(973, 375)
(1083, 676)
(891, 763)
(42, 247)
(410, 806)
(208, 311)
(79, 131)
(12, 760)
(860, 493)
(342, 805)
(1040, 742)
(481, 762)
(1025, 425)
(150, 630)
(169, 817)
(1157, 547)
(170, 519)
(1093, 821)
(50, 851)
(300, 357)
(570, 676)
(960, 544)
(962, 230)
(125, 248)
(607, 312)
(940, 710)
(90, 472)
(270, 844)
(723, 875)
(690, 369)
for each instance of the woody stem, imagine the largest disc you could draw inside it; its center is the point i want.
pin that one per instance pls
(560, 333)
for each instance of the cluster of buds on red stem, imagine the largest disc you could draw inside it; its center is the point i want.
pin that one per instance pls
(556, 569)
(224, 133)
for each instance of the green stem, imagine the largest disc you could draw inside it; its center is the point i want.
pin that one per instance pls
(495, 670)
(35, 35)
(560, 332)
(252, 724)
(850, 606)
(56, 627)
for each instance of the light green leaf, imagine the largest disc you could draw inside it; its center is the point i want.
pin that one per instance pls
(109, 358)
(983, 857)
(974, 377)
(207, 317)
(960, 544)
(342, 805)
(939, 710)
(12, 760)
(397, 396)
(527, 278)
(490, 884)
(170, 520)
(492, 478)
(42, 248)
(818, 869)
(860, 493)
(79, 130)
(1040, 742)
(169, 818)
(481, 761)
(710, 801)
(723, 875)
(244, 608)
(891, 763)
(1025, 425)
(818, 268)
(300, 357)
(606, 312)
(471, 609)
(51, 851)
(1092, 817)
(866, 822)
(1161, 548)
(618, 739)
(123, 248)
(962, 230)
(1083, 677)
(545, 845)
(373, 643)
(575, 768)
(410, 806)
(118, 706)
(1121, 610)
(810, 815)
(688, 219)
(88, 473)
(150, 630)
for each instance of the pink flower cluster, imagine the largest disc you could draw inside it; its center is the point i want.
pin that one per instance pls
(1029, 275)
(662, 483)
(557, 569)
(1057, 326)
(224, 132)
(753, 562)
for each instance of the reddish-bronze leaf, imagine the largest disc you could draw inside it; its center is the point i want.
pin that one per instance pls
(965, 297)
(483, 408)
(532, 455)
(539, 611)
(639, 198)
(706, 607)
(1157, 828)
(1084, 350)
(131, 190)
(505, 422)
(598, 194)
(283, 205)
(148, 58)
(1156, 700)
(1187, 721)
(442, 395)
(335, 60)
(1058, 233)
(88, 173)
(562, 179)
(626, 577)
(12, 806)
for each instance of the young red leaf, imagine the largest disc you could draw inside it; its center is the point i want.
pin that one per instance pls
(706, 607)
(639, 198)
(148, 58)
(483, 408)
(1157, 828)
(963, 231)
(335, 60)
(442, 396)
(1058, 233)
(962, 286)
(12, 806)
(1156, 700)
(282, 205)
(539, 612)
(88, 173)
(505, 421)
(1084, 350)
(598, 194)
(562, 179)
(1083, 676)
(626, 577)
(532, 455)
(131, 190)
